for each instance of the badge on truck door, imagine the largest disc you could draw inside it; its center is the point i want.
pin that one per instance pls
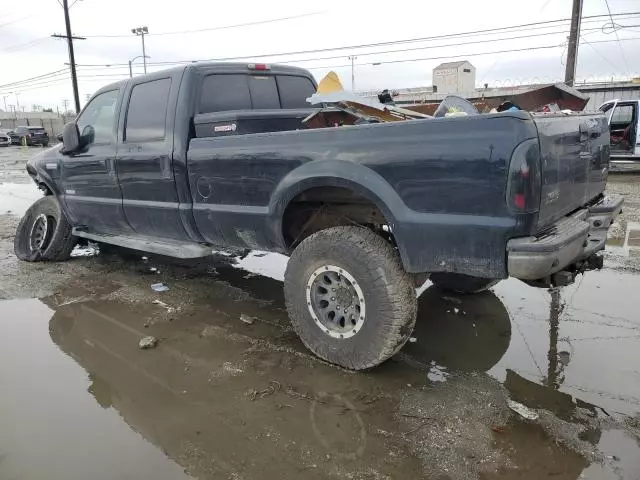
(225, 128)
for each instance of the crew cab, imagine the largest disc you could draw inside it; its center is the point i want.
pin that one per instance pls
(624, 121)
(209, 156)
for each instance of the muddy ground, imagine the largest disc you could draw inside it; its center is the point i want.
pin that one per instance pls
(231, 393)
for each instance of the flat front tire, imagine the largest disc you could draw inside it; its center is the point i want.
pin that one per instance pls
(349, 298)
(44, 233)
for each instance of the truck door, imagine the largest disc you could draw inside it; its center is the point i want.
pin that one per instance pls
(90, 187)
(623, 123)
(145, 153)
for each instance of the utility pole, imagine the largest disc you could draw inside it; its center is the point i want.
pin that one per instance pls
(72, 59)
(17, 100)
(4, 98)
(141, 31)
(353, 72)
(574, 41)
(65, 105)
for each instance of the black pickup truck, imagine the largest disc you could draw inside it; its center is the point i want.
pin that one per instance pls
(211, 156)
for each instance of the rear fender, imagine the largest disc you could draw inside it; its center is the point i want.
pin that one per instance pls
(338, 173)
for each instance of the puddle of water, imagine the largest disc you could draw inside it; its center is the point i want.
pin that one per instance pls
(15, 198)
(621, 457)
(55, 421)
(581, 341)
(268, 264)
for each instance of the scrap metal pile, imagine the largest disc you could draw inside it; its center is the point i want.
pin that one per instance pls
(340, 107)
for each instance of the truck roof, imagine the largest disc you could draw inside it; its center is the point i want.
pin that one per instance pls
(223, 67)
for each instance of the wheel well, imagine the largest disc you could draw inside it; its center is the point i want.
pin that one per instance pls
(324, 207)
(45, 188)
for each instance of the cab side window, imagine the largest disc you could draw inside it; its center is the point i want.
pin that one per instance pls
(98, 119)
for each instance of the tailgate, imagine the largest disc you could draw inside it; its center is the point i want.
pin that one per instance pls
(574, 153)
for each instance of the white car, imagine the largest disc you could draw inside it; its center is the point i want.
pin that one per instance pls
(5, 139)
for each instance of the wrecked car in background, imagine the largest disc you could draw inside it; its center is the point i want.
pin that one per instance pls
(186, 161)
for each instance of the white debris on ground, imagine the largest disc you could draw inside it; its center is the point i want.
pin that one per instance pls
(523, 410)
(148, 342)
(84, 251)
(159, 287)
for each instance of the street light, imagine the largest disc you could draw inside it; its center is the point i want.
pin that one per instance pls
(353, 72)
(142, 31)
(133, 60)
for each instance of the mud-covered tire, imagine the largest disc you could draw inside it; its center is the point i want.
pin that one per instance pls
(59, 241)
(456, 282)
(388, 295)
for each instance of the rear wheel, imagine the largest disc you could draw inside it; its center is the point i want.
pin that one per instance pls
(348, 297)
(44, 234)
(459, 283)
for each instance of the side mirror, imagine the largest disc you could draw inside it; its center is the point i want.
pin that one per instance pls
(70, 138)
(88, 135)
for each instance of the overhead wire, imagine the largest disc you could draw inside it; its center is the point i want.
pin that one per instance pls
(210, 29)
(27, 80)
(383, 52)
(615, 31)
(25, 45)
(491, 31)
(50, 78)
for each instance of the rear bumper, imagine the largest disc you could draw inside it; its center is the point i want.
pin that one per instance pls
(567, 242)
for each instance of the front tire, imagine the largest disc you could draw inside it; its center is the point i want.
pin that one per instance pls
(459, 283)
(358, 269)
(44, 233)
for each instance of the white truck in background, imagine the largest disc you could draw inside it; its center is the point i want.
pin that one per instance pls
(624, 124)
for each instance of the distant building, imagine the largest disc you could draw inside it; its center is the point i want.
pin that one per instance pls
(454, 77)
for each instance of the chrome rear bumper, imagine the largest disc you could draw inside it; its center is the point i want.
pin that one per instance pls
(567, 242)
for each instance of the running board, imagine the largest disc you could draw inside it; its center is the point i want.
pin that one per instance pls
(169, 248)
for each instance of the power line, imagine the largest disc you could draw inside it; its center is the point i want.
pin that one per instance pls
(384, 52)
(21, 46)
(55, 72)
(21, 19)
(615, 31)
(224, 27)
(598, 53)
(370, 45)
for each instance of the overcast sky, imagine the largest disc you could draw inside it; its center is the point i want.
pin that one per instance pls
(26, 49)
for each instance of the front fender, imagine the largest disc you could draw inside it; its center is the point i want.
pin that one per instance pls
(44, 169)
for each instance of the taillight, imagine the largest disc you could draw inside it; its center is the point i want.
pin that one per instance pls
(524, 184)
(259, 66)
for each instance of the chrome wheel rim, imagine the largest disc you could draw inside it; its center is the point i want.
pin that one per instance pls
(40, 233)
(335, 301)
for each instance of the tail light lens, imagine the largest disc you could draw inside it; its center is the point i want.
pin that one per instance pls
(524, 184)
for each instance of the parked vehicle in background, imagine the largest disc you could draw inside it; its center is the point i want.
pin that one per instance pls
(624, 124)
(30, 135)
(5, 139)
(212, 156)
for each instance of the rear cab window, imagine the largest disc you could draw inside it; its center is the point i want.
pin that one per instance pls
(224, 92)
(294, 91)
(147, 111)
